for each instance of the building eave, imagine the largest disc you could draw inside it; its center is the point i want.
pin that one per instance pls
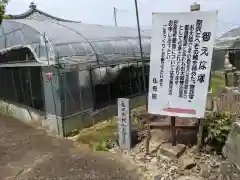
(35, 10)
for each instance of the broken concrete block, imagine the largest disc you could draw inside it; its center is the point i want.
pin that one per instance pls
(187, 162)
(173, 152)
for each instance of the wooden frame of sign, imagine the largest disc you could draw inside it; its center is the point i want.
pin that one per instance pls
(173, 127)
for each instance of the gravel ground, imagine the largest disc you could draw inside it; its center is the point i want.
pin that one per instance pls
(201, 166)
(30, 154)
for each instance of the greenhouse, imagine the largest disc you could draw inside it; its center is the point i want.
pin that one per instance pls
(66, 69)
(227, 43)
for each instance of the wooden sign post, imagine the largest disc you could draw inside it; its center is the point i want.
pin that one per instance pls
(180, 64)
(173, 134)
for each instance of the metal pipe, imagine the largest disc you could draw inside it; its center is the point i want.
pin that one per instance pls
(53, 93)
(115, 16)
(140, 45)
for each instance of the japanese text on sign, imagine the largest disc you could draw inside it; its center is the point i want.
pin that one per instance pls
(124, 124)
(181, 55)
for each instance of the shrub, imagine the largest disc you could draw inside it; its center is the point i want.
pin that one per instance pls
(217, 130)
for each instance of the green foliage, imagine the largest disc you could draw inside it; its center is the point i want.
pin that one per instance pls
(3, 4)
(217, 83)
(7, 17)
(98, 137)
(218, 129)
(100, 146)
(135, 113)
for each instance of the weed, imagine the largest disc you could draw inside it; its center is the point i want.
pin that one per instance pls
(217, 83)
(99, 136)
(217, 131)
(101, 145)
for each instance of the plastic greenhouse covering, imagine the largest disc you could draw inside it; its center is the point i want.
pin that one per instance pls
(229, 40)
(68, 42)
(232, 33)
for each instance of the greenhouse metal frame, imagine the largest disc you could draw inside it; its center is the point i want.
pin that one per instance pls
(227, 43)
(65, 69)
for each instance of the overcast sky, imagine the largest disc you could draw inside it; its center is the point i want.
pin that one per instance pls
(101, 11)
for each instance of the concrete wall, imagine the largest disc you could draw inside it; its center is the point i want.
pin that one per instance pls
(31, 117)
(54, 124)
(24, 114)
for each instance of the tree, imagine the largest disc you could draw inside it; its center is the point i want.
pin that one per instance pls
(3, 4)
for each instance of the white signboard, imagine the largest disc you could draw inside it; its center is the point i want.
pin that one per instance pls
(124, 124)
(181, 55)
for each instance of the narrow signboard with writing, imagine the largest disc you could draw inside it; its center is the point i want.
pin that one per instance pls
(124, 124)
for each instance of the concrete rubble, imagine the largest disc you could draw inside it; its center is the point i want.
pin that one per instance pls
(231, 149)
(189, 166)
(172, 151)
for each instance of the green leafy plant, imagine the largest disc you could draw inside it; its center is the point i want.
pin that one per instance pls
(217, 130)
(101, 145)
(217, 84)
(3, 4)
(7, 17)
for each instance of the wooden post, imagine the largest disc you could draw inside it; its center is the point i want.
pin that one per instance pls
(200, 135)
(148, 136)
(173, 134)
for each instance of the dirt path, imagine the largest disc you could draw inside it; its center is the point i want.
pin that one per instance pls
(29, 154)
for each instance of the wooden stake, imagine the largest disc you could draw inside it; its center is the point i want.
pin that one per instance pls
(148, 137)
(173, 127)
(200, 135)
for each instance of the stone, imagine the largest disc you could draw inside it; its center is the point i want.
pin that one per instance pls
(158, 177)
(141, 157)
(173, 152)
(189, 178)
(181, 172)
(164, 158)
(231, 150)
(221, 177)
(214, 177)
(205, 173)
(228, 99)
(154, 160)
(187, 162)
(197, 169)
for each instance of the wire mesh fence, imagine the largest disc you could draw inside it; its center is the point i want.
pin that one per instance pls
(22, 85)
(95, 88)
(77, 90)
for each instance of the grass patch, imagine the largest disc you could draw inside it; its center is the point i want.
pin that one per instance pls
(217, 83)
(97, 136)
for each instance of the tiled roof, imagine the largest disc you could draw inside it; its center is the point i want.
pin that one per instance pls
(35, 14)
